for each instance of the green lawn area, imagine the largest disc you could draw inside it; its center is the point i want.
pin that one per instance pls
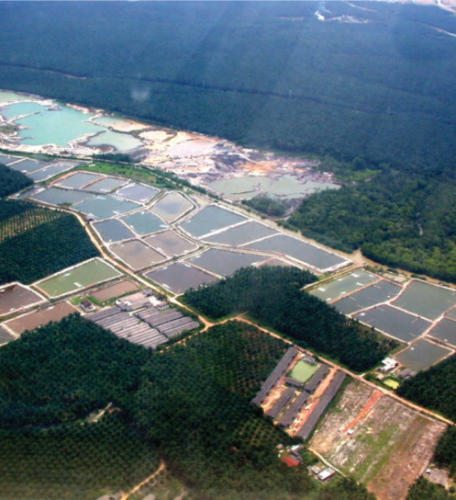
(303, 371)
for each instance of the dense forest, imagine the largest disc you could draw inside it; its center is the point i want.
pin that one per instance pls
(37, 241)
(273, 296)
(424, 490)
(397, 219)
(445, 454)
(269, 205)
(188, 405)
(12, 181)
(63, 371)
(434, 388)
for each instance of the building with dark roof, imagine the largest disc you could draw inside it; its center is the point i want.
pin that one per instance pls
(316, 379)
(281, 403)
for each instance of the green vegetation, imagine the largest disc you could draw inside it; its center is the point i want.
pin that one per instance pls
(189, 405)
(12, 181)
(63, 371)
(269, 206)
(273, 296)
(434, 388)
(74, 462)
(445, 454)
(37, 241)
(422, 489)
(400, 219)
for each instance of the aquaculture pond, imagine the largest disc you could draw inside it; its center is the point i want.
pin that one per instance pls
(306, 253)
(394, 322)
(103, 207)
(170, 243)
(209, 219)
(5, 159)
(113, 230)
(377, 293)
(28, 166)
(16, 296)
(50, 171)
(81, 276)
(78, 180)
(180, 277)
(137, 254)
(105, 185)
(58, 196)
(332, 290)
(427, 300)
(137, 192)
(171, 206)
(145, 222)
(240, 235)
(422, 354)
(285, 186)
(225, 262)
(445, 330)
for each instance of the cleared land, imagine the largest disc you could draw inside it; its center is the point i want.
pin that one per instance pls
(41, 317)
(115, 290)
(15, 297)
(78, 277)
(388, 447)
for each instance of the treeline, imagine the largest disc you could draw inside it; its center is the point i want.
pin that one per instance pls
(273, 296)
(268, 205)
(422, 489)
(63, 371)
(301, 85)
(74, 462)
(434, 388)
(398, 219)
(39, 245)
(12, 181)
(189, 405)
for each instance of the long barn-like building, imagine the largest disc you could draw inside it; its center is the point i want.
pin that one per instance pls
(274, 377)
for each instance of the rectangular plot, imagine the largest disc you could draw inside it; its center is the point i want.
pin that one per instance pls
(57, 196)
(50, 171)
(225, 262)
(240, 235)
(170, 243)
(28, 166)
(306, 253)
(5, 159)
(115, 290)
(144, 222)
(394, 322)
(112, 230)
(137, 192)
(370, 296)
(105, 185)
(104, 207)
(180, 277)
(445, 330)
(427, 300)
(209, 219)
(171, 206)
(349, 283)
(422, 354)
(41, 317)
(15, 297)
(302, 371)
(137, 254)
(79, 277)
(78, 180)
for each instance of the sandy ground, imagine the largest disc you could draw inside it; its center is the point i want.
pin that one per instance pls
(378, 440)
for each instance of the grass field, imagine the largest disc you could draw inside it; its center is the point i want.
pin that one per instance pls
(303, 371)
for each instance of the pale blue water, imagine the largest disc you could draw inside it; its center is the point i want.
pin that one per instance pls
(122, 142)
